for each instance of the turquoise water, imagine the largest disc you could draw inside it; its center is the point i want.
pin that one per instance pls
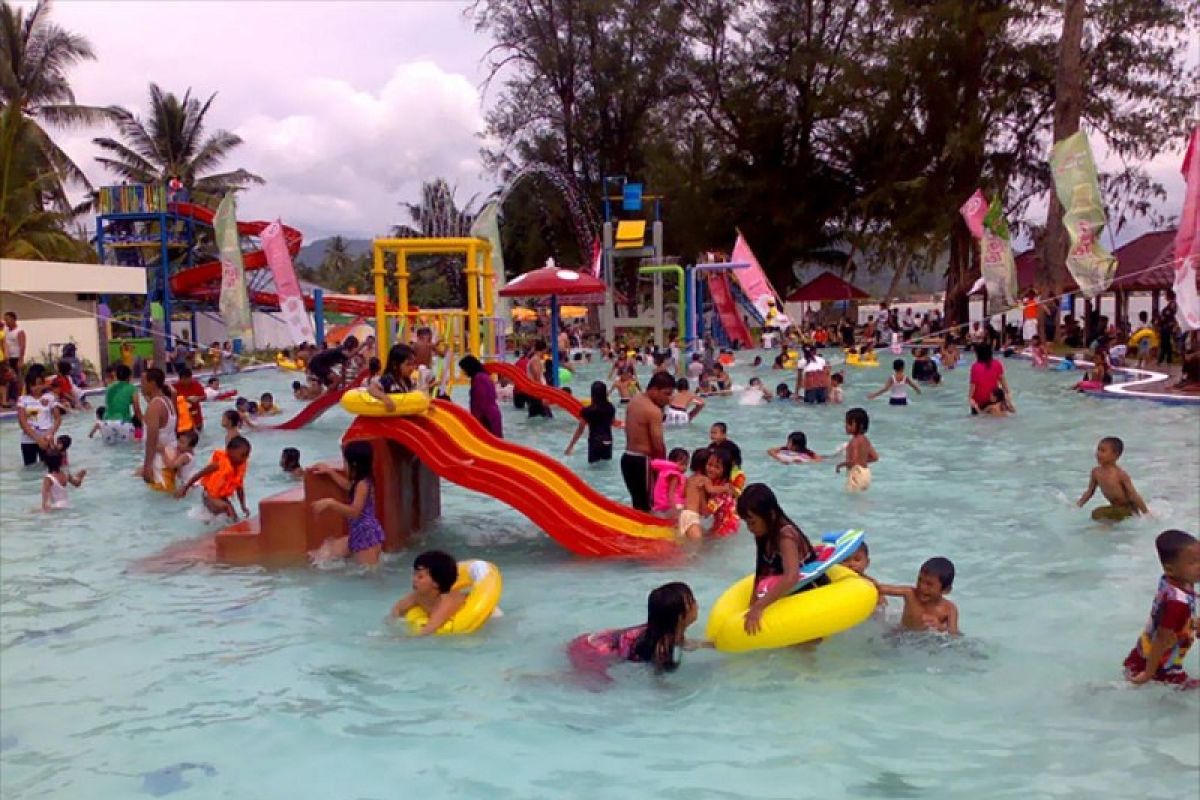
(241, 682)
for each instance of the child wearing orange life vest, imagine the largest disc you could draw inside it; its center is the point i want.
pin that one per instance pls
(222, 478)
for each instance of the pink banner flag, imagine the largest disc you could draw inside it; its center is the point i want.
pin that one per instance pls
(756, 287)
(597, 257)
(1187, 240)
(291, 302)
(973, 212)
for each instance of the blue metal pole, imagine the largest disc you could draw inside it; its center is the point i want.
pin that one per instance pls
(165, 267)
(319, 315)
(553, 380)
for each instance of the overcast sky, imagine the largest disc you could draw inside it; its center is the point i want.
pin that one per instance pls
(344, 106)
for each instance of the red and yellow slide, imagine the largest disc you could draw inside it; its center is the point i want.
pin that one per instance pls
(458, 448)
(547, 394)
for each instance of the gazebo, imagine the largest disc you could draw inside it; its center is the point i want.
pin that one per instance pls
(825, 288)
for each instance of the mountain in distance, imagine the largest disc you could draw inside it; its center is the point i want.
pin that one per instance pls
(313, 252)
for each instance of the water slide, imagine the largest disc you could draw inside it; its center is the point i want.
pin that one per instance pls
(547, 394)
(457, 448)
(731, 320)
(315, 408)
(753, 280)
(204, 280)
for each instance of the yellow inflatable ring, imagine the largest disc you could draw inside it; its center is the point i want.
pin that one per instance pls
(847, 601)
(408, 404)
(287, 363)
(857, 360)
(1144, 333)
(790, 361)
(484, 585)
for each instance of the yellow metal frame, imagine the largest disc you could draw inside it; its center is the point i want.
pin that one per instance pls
(457, 324)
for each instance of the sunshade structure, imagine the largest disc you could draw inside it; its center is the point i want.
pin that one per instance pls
(826, 288)
(553, 282)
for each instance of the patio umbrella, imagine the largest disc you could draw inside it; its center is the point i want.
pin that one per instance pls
(553, 282)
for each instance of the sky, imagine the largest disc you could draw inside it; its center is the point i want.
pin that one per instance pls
(345, 107)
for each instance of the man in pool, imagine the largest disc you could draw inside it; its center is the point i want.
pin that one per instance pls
(644, 437)
(1114, 483)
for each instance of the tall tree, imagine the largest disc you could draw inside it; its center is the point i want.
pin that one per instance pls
(171, 142)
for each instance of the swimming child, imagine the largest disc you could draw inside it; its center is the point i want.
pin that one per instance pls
(795, 451)
(999, 407)
(289, 462)
(598, 417)
(176, 464)
(54, 484)
(783, 392)
(1169, 634)
(670, 611)
(266, 405)
(860, 453)
(365, 538)
(434, 576)
(706, 482)
(1037, 352)
(222, 478)
(755, 393)
(669, 494)
(717, 432)
(1114, 483)
(837, 395)
(683, 406)
(780, 550)
(307, 393)
(726, 471)
(925, 605)
(898, 383)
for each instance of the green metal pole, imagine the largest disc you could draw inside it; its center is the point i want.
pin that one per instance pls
(681, 306)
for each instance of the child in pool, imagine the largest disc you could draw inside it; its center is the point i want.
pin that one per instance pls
(717, 432)
(925, 605)
(1167, 637)
(837, 395)
(96, 428)
(898, 385)
(783, 392)
(795, 451)
(289, 462)
(626, 386)
(669, 493)
(306, 393)
(212, 389)
(709, 480)
(1114, 483)
(999, 407)
(670, 611)
(599, 418)
(780, 550)
(755, 393)
(1037, 352)
(177, 464)
(860, 453)
(267, 407)
(434, 576)
(365, 539)
(54, 485)
(222, 478)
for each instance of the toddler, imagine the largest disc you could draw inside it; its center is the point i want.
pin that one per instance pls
(860, 453)
(837, 395)
(669, 494)
(1167, 637)
(222, 478)
(703, 484)
(54, 485)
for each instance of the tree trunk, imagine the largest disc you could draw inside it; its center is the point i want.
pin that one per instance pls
(1068, 106)
(900, 271)
(962, 272)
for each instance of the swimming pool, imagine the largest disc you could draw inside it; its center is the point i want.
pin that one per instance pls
(241, 682)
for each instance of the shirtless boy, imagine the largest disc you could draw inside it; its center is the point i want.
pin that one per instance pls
(701, 486)
(644, 437)
(684, 405)
(925, 605)
(1114, 484)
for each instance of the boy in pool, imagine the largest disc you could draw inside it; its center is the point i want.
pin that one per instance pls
(434, 576)
(266, 405)
(289, 462)
(222, 478)
(1114, 483)
(860, 453)
(718, 432)
(1167, 637)
(925, 605)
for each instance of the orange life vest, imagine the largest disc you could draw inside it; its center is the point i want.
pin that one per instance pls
(227, 478)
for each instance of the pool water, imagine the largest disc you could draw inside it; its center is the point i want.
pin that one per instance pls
(214, 681)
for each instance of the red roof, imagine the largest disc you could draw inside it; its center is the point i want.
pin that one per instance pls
(551, 280)
(826, 287)
(1144, 264)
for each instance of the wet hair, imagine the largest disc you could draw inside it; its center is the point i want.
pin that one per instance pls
(159, 379)
(252, 407)
(1171, 543)
(759, 500)
(682, 385)
(290, 457)
(241, 403)
(730, 447)
(722, 455)
(1115, 443)
(898, 365)
(53, 460)
(699, 459)
(721, 426)
(837, 378)
(350, 343)
(665, 608)
(100, 412)
(238, 443)
(783, 391)
(232, 416)
(676, 454)
(396, 357)
(296, 386)
(983, 353)
(660, 380)
(858, 420)
(940, 568)
(374, 365)
(265, 396)
(191, 437)
(184, 372)
(441, 566)
(64, 367)
(797, 442)
(63, 443)
(359, 457)
(470, 365)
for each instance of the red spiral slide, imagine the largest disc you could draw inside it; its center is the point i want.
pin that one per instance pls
(547, 394)
(204, 280)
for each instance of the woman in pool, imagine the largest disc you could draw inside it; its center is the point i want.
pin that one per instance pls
(670, 610)
(986, 375)
(484, 406)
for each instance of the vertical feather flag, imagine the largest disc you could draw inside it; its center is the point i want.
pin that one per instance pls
(1187, 240)
(291, 302)
(234, 304)
(1078, 189)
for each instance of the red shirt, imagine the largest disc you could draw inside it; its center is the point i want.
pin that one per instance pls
(193, 390)
(985, 378)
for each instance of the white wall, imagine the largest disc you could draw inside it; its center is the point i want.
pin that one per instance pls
(55, 320)
(270, 331)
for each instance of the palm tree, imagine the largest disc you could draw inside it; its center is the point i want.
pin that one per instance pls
(171, 143)
(437, 215)
(35, 56)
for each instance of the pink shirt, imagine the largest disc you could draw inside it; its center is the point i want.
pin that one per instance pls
(985, 378)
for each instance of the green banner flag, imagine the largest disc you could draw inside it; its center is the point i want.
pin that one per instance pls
(1078, 190)
(997, 265)
(234, 304)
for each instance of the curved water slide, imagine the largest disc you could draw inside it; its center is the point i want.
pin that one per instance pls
(204, 280)
(547, 394)
(316, 408)
(727, 309)
(458, 448)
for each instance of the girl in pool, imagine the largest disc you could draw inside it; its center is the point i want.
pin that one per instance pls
(1037, 351)
(795, 451)
(54, 485)
(670, 610)
(780, 547)
(365, 540)
(599, 418)
(671, 475)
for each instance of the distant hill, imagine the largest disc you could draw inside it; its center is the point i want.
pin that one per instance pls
(311, 253)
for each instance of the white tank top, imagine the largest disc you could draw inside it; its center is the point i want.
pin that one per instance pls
(899, 389)
(58, 493)
(12, 342)
(166, 434)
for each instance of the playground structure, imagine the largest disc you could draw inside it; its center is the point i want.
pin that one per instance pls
(623, 239)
